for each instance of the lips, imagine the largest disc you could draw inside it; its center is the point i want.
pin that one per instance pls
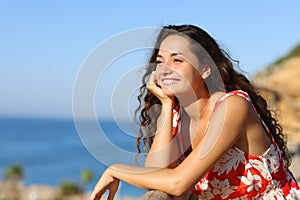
(169, 81)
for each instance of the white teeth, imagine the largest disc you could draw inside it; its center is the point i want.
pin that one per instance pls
(168, 81)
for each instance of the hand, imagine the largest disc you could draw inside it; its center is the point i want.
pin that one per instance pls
(154, 87)
(106, 182)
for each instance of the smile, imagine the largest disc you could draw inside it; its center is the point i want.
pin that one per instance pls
(169, 81)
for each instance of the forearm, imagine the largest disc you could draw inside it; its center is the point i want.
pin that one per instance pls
(163, 179)
(163, 150)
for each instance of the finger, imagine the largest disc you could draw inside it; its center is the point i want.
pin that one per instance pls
(96, 195)
(151, 82)
(152, 77)
(113, 190)
(111, 195)
(93, 197)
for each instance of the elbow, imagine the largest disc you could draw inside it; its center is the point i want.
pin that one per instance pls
(177, 186)
(178, 191)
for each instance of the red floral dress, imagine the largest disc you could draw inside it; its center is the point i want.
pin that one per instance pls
(238, 175)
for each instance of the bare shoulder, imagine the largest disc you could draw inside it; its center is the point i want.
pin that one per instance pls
(234, 105)
(230, 120)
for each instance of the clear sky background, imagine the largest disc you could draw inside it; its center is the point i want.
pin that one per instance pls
(44, 43)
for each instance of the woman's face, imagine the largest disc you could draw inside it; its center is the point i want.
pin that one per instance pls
(177, 67)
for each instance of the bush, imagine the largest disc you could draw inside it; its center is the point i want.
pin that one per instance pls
(70, 188)
(14, 172)
(293, 53)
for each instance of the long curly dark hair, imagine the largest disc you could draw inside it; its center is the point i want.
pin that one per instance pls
(149, 109)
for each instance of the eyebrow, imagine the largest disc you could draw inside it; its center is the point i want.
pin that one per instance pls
(172, 54)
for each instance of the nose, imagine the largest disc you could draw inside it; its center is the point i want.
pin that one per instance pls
(163, 69)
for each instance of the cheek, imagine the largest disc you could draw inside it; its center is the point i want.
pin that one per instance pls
(193, 78)
(158, 69)
(190, 74)
(164, 70)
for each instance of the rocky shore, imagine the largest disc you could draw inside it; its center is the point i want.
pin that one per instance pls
(10, 190)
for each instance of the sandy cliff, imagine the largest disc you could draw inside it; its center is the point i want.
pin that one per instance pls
(280, 85)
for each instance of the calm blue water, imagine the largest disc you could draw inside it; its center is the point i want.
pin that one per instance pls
(51, 151)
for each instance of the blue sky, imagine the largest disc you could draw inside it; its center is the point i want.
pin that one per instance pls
(44, 43)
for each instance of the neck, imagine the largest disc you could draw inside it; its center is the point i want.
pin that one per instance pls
(196, 104)
(200, 107)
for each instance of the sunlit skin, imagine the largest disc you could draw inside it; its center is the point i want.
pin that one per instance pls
(178, 71)
(234, 123)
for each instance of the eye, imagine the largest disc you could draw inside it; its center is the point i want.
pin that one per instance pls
(177, 60)
(159, 60)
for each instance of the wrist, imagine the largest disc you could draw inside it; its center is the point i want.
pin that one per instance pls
(113, 169)
(167, 103)
(109, 175)
(109, 172)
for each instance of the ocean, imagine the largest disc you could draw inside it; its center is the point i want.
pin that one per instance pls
(51, 151)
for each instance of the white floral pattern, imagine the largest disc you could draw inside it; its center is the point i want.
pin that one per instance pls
(222, 187)
(230, 161)
(253, 181)
(259, 166)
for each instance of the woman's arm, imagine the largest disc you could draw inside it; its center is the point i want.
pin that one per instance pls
(227, 124)
(163, 151)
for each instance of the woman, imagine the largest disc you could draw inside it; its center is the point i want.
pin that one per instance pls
(211, 137)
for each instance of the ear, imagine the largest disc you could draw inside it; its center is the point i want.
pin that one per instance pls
(206, 71)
